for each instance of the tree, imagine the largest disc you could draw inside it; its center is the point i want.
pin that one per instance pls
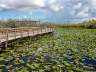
(10, 24)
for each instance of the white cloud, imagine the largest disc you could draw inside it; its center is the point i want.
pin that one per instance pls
(79, 5)
(93, 2)
(84, 12)
(51, 1)
(3, 6)
(40, 3)
(54, 5)
(17, 4)
(61, 8)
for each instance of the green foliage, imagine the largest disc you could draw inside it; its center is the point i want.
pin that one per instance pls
(13, 23)
(22, 69)
(85, 25)
(10, 24)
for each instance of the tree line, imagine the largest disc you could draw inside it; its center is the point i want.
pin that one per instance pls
(18, 23)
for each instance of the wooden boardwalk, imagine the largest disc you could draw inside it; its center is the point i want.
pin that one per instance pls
(15, 33)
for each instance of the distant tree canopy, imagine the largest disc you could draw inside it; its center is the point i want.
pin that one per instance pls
(10, 24)
(90, 25)
(19, 23)
(29, 23)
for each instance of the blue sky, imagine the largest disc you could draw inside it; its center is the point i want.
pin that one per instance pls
(55, 11)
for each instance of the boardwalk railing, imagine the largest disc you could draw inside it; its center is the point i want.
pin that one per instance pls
(7, 34)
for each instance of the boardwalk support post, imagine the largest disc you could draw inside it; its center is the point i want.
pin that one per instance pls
(28, 37)
(6, 44)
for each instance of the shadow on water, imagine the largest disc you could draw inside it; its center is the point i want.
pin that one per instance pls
(10, 65)
(85, 60)
(88, 61)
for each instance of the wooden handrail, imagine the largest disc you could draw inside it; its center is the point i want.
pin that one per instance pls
(14, 33)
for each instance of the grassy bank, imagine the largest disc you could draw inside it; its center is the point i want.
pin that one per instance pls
(86, 25)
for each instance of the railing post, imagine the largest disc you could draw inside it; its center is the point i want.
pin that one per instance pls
(36, 31)
(21, 32)
(50, 28)
(41, 29)
(33, 32)
(28, 33)
(28, 37)
(6, 44)
(46, 29)
(15, 33)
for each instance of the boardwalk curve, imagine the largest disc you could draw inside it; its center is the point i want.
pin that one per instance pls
(8, 34)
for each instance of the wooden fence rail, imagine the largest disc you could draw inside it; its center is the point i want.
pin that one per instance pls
(7, 34)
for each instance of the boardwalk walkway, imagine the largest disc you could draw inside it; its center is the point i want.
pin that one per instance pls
(15, 33)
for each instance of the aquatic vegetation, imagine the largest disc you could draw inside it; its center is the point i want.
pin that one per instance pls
(65, 50)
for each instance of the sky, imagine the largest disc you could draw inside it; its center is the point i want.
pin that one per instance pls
(54, 11)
